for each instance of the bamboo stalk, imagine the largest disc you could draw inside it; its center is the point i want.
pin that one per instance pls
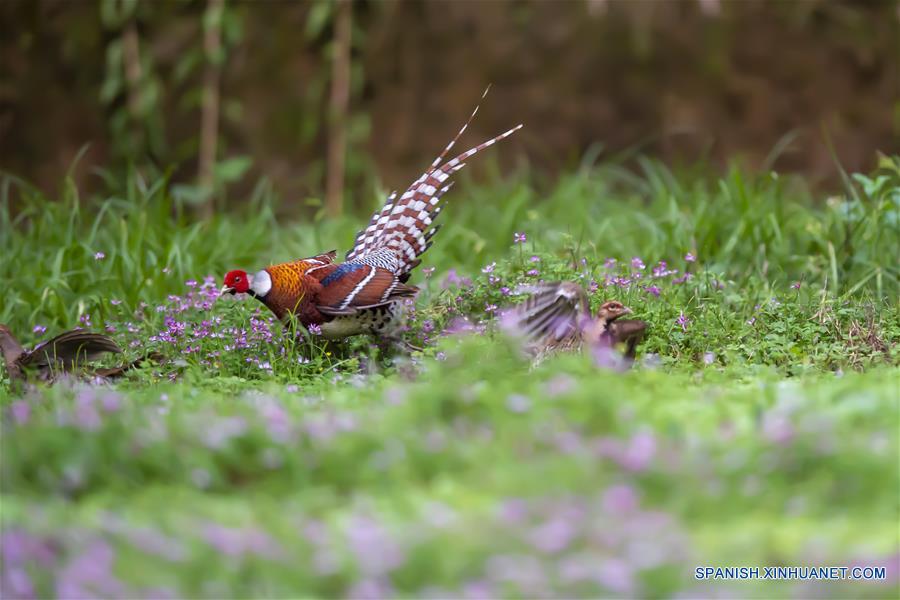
(209, 118)
(338, 107)
(131, 54)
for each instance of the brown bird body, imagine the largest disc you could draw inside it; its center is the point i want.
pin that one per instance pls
(557, 318)
(66, 353)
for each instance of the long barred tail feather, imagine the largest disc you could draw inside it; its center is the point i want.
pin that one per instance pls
(401, 231)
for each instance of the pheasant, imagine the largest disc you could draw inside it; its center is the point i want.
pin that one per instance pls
(363, 294)
(557, 318)
(66, 352)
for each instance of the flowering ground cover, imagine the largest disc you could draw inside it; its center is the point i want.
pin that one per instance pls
(758, 428)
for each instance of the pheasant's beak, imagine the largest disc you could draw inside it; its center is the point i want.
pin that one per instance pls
(226, 290)
(626, 310)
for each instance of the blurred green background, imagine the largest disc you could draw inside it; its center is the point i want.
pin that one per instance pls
(372, 90)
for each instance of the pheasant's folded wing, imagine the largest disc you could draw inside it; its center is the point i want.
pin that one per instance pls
(401, 231)
(349, 287)
(70, 349)
(552, 312)
(326, 258)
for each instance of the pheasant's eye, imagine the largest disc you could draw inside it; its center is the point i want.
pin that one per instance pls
(237, 279)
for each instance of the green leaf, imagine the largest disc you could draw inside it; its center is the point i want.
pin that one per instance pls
(232, 169)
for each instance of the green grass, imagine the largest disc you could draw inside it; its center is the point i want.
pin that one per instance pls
(759, 427)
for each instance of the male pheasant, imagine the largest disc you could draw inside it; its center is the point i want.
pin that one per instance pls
(362, 294)
(557, 317)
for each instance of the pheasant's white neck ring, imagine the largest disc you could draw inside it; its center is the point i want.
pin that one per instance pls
(260, 284)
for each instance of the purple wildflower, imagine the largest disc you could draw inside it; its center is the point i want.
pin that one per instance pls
(639, 453)
(777, 428)
(376, 552)
(428, 272)
(39, 329)
(620, 499)
(709, 358)
(637, 263)
(85, 320)
(652, 289)
(453, 279)
(609, 263)
(518, 403)
(560, 385)
(489, 268)
(682, 279)
(535, 259)
(191, 283)
(689, 257)
(489, 308)
(115, 302)
(683, 321)
(21, 412)
(554, 535)
(314, 329)
(505, 291)
(519, 238)
(795, 285)
(751, 320)
(533, 273)
(99, 256)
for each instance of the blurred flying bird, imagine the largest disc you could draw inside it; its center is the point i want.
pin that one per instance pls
(363, 294)
(556, 317)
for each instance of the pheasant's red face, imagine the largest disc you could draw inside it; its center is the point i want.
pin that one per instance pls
(612, 310)
(236, 282)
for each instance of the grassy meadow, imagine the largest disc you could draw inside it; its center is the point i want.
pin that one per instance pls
(758, 427)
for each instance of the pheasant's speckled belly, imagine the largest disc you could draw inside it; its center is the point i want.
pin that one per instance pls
(382, 321)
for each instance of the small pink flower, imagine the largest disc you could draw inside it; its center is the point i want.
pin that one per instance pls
(39, 329)
(519, 238)
(315, 329)
(489, 268)
(637, 263)
(689, 257)
(795, 285)
(683, 321)
(99, 256)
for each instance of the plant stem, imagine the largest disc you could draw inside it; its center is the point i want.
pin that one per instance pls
(209, 119)
(338, 105)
